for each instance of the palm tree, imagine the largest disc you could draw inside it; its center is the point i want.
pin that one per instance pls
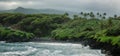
(92, 15)
(115, 16)
(85, 14)
(104, 14)
(104, 17)
(98, 13)
(81, 13)
(88, 13)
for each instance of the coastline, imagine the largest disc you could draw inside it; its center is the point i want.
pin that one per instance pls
(104, 47)
(90, 43)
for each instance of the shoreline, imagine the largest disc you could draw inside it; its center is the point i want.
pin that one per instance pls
(90, 43)
(57, 41)
(104, 47)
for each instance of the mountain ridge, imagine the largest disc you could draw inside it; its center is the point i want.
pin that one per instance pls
(35, 11)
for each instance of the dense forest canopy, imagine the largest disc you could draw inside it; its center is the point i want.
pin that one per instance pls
(62, 27)
(97, 30)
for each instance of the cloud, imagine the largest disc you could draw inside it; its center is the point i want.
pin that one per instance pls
(72, 5)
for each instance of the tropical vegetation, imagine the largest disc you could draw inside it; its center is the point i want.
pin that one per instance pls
(99, 27)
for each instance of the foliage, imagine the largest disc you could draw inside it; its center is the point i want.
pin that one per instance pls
(61, 27)
(39, 24)
(102, 30)
(14, 35)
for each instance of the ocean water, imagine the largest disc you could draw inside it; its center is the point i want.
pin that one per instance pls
(46, 49)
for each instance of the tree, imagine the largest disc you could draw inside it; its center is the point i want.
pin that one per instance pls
(85, 15)
(92, 15)
(81, 13)
(66, 14)
(115, 16)
(104, 17)
(104, 14)
(98, 13)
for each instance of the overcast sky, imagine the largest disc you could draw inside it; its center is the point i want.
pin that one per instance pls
(112, 6)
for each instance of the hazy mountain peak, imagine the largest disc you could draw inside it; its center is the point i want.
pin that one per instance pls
(36, 11)
(19, 8)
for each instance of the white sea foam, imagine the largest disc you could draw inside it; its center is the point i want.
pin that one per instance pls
(30, 50)
(87, 54)
(52, 49)
(47, 52)
(63, 44)
(58, 53)
(2, 41)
